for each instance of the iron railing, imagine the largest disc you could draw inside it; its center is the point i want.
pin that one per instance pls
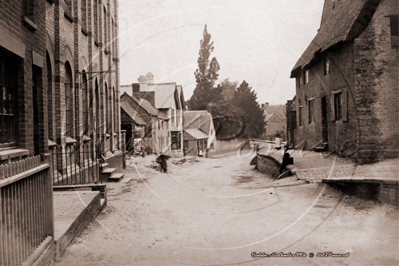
(75, 165)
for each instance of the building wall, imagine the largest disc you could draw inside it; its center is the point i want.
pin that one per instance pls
(366, 72)
(24, 40)
(71, 36)
(376, 79)
(340, 79)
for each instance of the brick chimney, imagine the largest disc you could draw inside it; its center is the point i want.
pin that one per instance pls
(136, 90)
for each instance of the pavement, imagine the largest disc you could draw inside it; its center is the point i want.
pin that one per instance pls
(319, 166)
(68, 205)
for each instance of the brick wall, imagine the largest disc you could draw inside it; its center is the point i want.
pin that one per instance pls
(28, 35)
(77, 45)
(376, 79)
(341, 79)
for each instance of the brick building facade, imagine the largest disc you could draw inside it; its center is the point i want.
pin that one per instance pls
(347, 81)
(66, 56)
(23, 98)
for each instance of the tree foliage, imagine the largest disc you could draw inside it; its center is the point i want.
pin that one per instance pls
(206, 75)
(237, 113)
(245, 102)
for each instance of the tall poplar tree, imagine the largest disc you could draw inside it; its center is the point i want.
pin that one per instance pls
(205, 76)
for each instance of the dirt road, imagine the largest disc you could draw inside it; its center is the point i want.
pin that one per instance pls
(221, 212)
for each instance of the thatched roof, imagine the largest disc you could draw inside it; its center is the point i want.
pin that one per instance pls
(342, 20)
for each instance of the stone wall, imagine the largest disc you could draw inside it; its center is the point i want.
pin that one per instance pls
(376, 81)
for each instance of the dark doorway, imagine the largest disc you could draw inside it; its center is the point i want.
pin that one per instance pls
(324, 123)
(36, 86)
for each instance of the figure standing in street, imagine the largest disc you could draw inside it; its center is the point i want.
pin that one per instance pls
(286, 160)
(162, 161)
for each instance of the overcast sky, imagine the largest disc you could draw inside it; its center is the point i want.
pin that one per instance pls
(255, 40)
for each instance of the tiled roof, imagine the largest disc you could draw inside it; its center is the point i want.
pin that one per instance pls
(278, 111)
(344, 22)
(196, 133)
(148, 107)
(164, 94)
(130, 111)
(197, 119)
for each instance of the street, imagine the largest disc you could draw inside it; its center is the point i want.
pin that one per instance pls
(219, 211)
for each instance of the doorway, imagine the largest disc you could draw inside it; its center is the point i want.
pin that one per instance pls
(324, 123)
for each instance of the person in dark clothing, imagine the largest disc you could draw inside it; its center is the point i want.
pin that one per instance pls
(162, 161)
(286, 160)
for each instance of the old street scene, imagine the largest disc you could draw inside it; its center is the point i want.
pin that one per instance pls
(199, 132)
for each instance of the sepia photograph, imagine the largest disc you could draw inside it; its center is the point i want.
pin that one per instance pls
(190, 133)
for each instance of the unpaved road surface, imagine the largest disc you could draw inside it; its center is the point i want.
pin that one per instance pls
(219, 211)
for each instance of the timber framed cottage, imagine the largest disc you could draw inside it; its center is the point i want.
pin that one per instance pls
(347, 81)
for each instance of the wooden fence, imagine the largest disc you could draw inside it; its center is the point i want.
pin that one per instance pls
(26, 209)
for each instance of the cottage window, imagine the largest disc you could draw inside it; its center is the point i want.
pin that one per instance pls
(306, 76)
(326, 65)
(8, 93)
(311, 111)
(338, 106)
(300, 116)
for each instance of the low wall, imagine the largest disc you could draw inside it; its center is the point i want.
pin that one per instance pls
(268, 165)
(382, 192)
(228, 145)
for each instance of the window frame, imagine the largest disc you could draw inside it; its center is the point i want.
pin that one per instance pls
(8, 111)
(300, 114)
(83, 7)
(326, 65)
(68, 101)
(85, 100)
(311, 111)
(338, 106)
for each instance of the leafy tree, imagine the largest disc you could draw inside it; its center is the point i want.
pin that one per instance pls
(245, 102)
(205, 76)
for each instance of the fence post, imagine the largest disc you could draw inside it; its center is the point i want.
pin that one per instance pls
(48, 158)
(124, 147)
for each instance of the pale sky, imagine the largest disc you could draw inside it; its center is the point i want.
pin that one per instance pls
(255, 40)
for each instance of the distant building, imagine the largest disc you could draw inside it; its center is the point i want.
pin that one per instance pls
(347, 81)
(168, 99)
(275, 121)
(199, 132)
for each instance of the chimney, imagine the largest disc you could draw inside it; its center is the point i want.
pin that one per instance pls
(143, 83)
(136, 90)
(150, 77)
(149, 96)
